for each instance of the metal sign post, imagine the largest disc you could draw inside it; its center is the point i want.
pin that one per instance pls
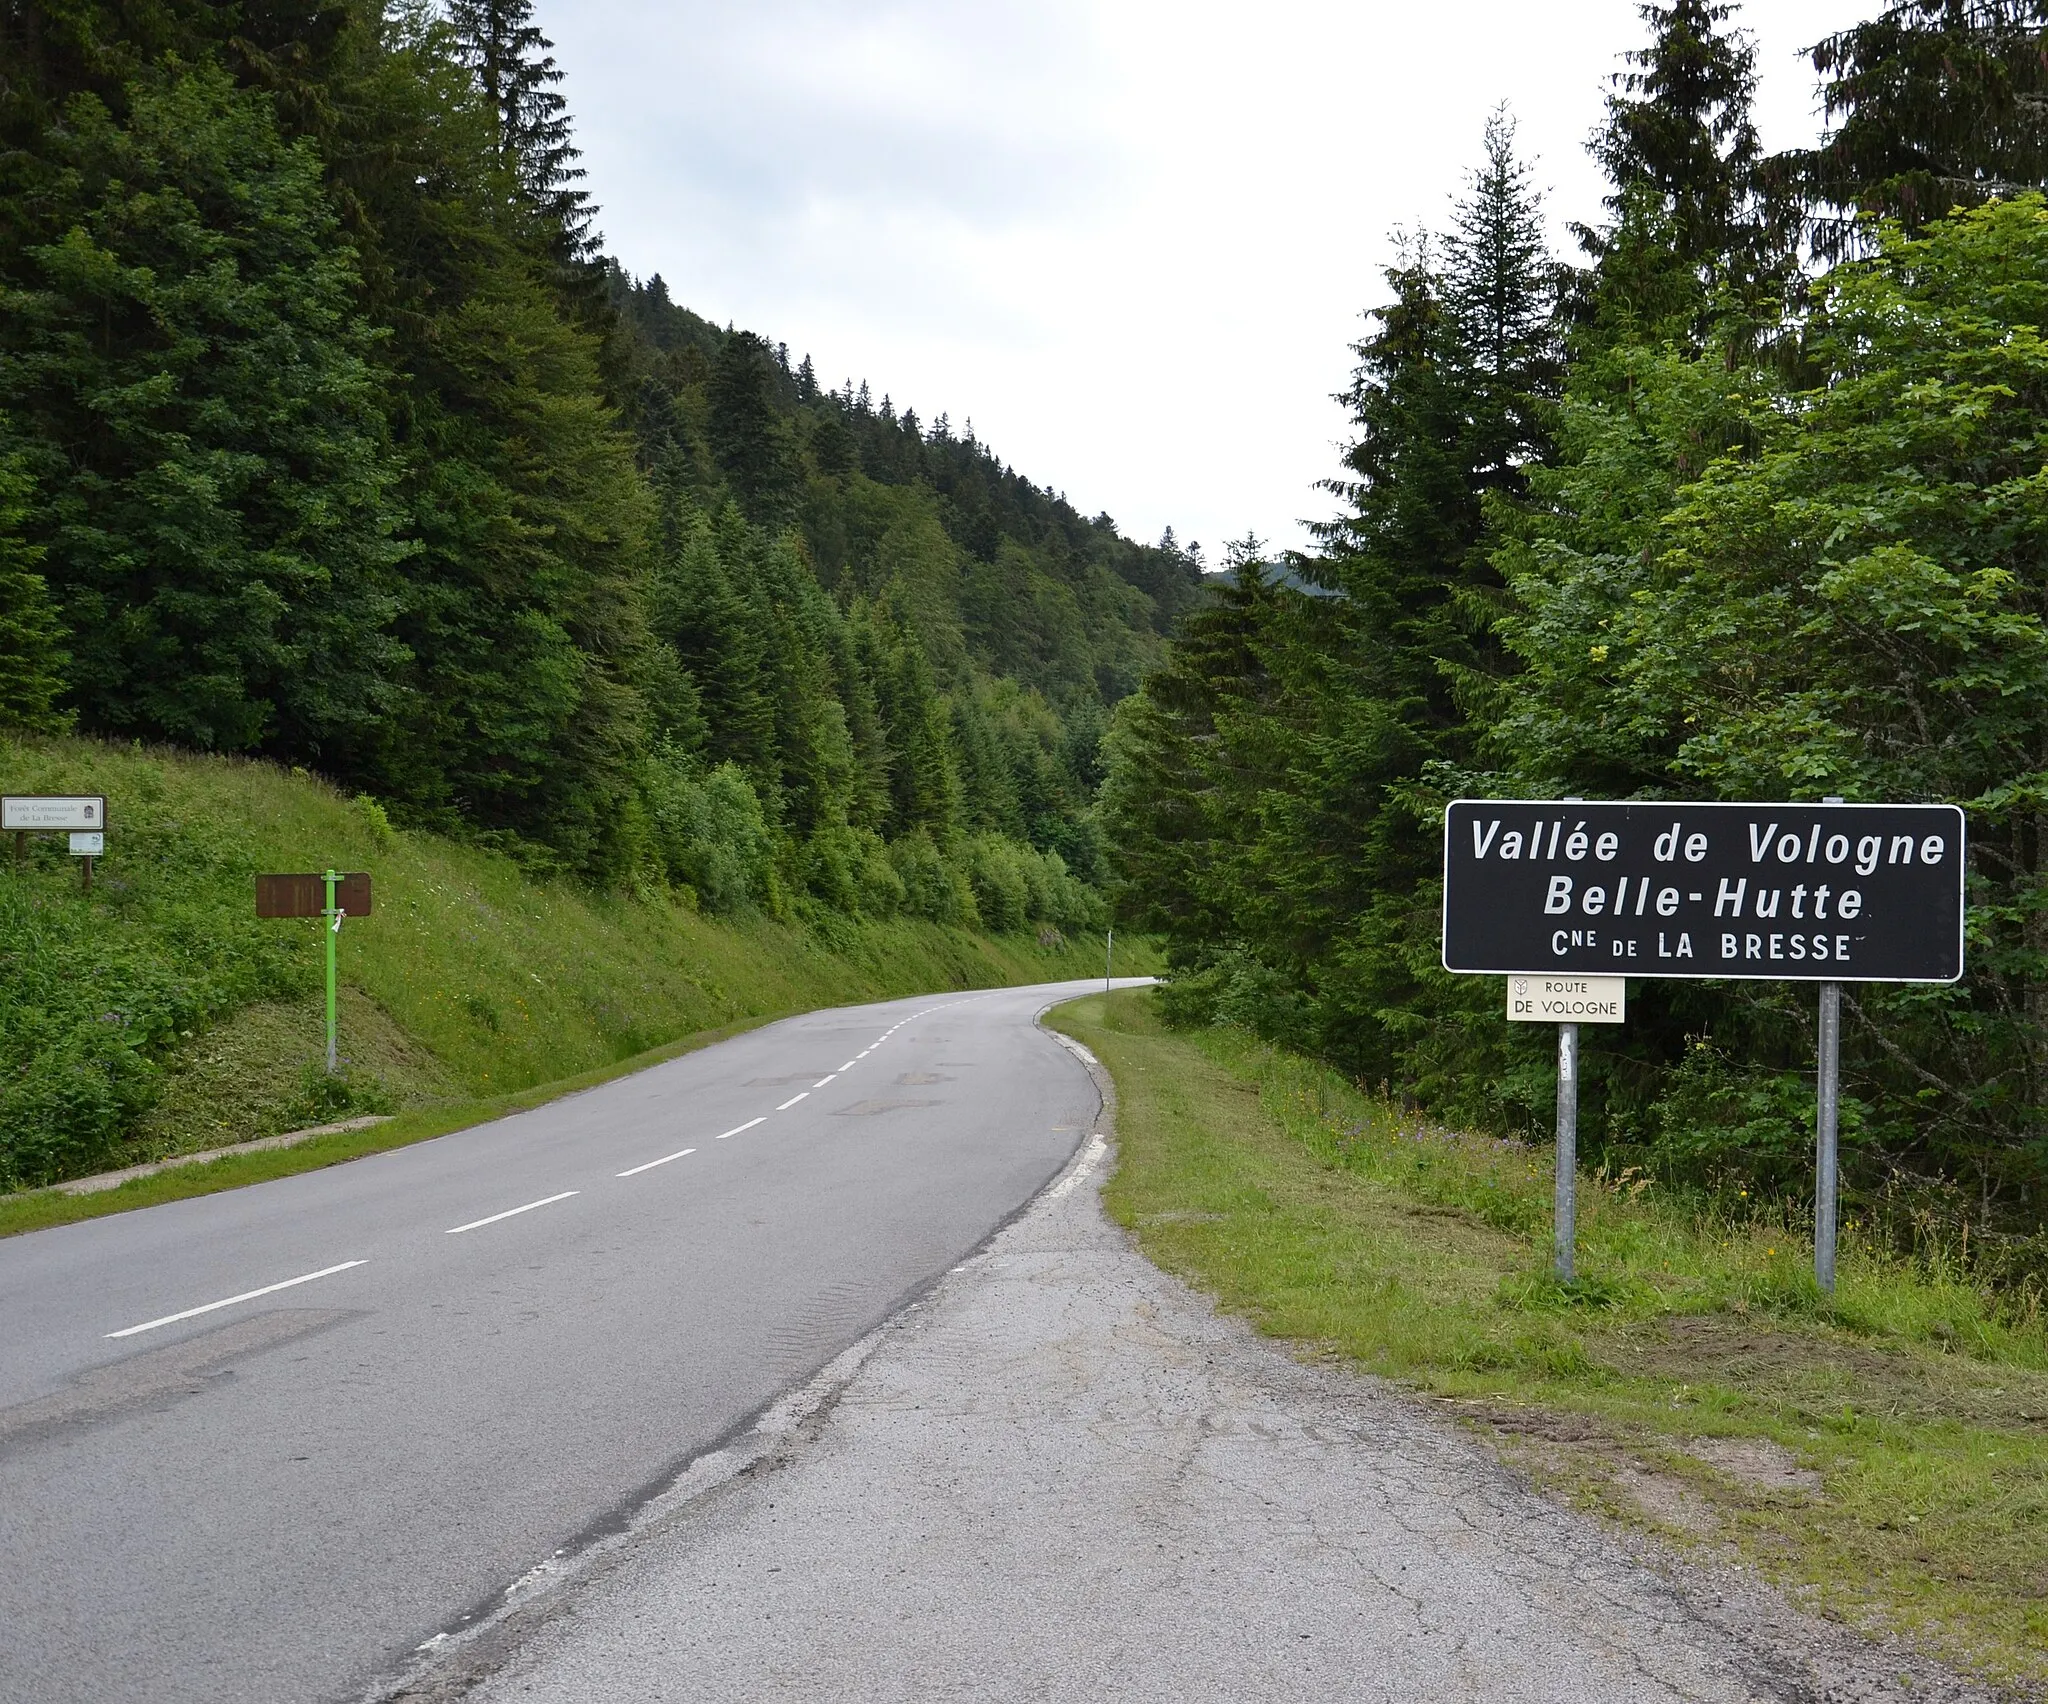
(1826, 1192)
(332, 913)
(1560, 895)
(1566, 1200)
(1567, 1002)
(330, 896)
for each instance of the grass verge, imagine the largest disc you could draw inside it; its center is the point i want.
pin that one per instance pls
(36, 1210)
(155, 1015)
(1883, 1457)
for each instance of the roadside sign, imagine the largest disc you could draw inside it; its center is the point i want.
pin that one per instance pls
(1567, 999)
(330, 896)
(88, 845)
(306, 896)
(30, 814)
(1813, 893)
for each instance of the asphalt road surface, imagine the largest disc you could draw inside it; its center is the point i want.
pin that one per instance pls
(1060, 1476)
(265, 1445)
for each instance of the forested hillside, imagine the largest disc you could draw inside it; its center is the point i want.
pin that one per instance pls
(328, 434)
(1745, 500)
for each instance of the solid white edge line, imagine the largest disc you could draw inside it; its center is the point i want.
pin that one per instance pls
(793, 1099)
(230, 1301)
(1097, 1145)
(822, 1081)
(737, 1128)
(635, 1171)
(512, 1212)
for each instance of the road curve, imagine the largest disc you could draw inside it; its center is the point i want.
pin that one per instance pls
(263, 1445)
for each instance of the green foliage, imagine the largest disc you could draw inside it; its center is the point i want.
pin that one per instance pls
(32, 654)
(1741, 551)
(1936, 104)
(710, 834)
(1846, 600)
(160, 1014)
(330, 438)
(189, 379)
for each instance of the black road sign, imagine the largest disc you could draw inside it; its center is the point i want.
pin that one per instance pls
(1816, 893)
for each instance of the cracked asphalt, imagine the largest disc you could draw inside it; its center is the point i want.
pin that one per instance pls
(1062, 1476)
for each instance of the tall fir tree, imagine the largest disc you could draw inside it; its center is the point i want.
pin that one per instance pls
(1689, 216)
(32, 654)
(1934, 104)
(515, 68)
(187, 365)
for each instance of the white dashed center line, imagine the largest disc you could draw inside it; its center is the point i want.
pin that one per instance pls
(230, 1301)
(511, 1212)
(848, 1066)
(793, 1099)
(737, 1128)
(822, 1081)
(635, 1171)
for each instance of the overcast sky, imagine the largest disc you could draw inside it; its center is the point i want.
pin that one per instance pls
(1131, 240)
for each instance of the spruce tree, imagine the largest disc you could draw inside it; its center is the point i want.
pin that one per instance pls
(747, 433)
(32, 654)
(1500, 291)
(1935, 104)
(188, 370)
(1688, 215)
(515, 69)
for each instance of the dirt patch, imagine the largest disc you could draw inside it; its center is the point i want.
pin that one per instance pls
(1814, 1374)
(1666, 1501)
(1760, 1462)
(1551, 1426)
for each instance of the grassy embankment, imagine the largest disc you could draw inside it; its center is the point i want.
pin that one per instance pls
(1884, 1457)
(159, 1016)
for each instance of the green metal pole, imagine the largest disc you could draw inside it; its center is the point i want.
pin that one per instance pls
(333, 918)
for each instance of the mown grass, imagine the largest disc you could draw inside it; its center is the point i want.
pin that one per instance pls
(1883, 1455)
(196, 1026)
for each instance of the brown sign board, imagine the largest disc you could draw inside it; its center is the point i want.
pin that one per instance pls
(306, 896)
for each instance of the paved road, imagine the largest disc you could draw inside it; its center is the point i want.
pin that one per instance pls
(440, 1367)
(1060, 1476)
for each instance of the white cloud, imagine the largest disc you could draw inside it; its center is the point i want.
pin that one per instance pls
(1130, 239)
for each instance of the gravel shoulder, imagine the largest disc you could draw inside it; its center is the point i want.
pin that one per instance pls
(1062, 1475)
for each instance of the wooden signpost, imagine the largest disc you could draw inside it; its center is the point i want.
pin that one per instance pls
(1562, 896)
(330, 895)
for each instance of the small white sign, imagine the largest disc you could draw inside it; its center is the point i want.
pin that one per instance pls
(88, 845)
(1567, 999)
(87, 815)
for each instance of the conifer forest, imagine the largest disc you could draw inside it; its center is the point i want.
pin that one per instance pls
(330, 434)
(1742, 498)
